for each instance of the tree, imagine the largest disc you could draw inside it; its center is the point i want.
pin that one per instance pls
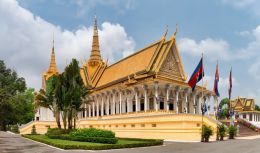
(257, 108)
(23, 106)
(47, 98)
(70, 92)
(10, 85)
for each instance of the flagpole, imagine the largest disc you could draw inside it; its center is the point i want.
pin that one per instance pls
(202, 140)
(230, 88)
(217, 104)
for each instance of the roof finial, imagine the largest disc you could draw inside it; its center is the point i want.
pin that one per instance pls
(166, 31)
(53, 67)
(176, 30)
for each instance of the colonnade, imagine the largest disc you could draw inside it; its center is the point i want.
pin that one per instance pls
(142, 98)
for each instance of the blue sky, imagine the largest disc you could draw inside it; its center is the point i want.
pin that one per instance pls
(225, 30)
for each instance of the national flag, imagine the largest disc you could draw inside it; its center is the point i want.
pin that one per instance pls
(230, 84)
(216, 82)
(197, 75)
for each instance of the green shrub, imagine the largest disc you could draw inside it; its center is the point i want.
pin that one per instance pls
(222, 131)
(232, 132)
(207, 132)
(84, 135)
(92, 132)
(146, 142)
(33, 130)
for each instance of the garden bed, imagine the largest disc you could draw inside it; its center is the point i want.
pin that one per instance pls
(122, 143)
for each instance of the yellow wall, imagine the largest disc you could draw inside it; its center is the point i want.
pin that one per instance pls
(142, 125)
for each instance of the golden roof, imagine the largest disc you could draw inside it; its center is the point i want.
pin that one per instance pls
(129, 65)
(148, 61)
(243, 104)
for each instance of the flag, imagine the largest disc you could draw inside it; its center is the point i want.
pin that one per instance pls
(204, 108)
(216, 82)
(197, 75)
(230, 84)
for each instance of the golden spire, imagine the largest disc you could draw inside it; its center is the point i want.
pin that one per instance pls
(53, 66)
(95, 56)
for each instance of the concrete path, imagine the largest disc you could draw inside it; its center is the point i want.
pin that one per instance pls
(11, 143)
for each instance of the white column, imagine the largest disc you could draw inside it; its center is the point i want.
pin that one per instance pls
(114, 103)
(177, 102)
(186, 102)
(102, 105)
(156, 96)
(166, 103)
(145, 99)
(120, 102)
(107, 105)
(97, 106)
(93, 109)
(85, 107)
(123, 105)
(137, 103)
(89, 110)
(129, 103)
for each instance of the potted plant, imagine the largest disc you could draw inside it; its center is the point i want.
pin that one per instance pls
(222, 132)
(207, 132)
(232, 132)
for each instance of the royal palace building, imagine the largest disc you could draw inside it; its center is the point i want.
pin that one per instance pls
(144, 95)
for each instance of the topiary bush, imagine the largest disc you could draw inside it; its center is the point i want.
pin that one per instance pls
(33, 130)
(92, 132)
(207, 132)
(84, 135)
(232, 132)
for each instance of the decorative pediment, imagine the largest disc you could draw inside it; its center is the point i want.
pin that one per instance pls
(171, 65)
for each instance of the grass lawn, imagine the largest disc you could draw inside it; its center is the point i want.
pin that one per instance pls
(122, 143)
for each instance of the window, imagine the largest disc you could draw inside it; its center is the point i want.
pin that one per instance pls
(124, 125)
(142, 125)
(132, 125)
(153, 125)
(116, 126)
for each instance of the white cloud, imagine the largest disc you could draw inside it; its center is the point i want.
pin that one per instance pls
(251, 6)
(211, 48)
(26, 42)
(222, 84)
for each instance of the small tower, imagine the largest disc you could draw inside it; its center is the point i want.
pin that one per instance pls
(52, 68)
(95, 56)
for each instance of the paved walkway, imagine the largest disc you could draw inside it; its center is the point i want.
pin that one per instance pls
(10, 143)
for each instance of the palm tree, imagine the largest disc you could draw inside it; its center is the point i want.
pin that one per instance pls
(47, 98)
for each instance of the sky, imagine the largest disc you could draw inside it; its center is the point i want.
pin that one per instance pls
(227, 31)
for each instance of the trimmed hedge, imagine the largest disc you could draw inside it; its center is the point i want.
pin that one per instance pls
(146, 142)
(83, 135)
(92, 132)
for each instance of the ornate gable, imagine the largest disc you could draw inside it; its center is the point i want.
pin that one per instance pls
(170, 67)
(170, 64)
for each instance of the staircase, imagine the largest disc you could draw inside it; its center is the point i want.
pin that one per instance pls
(245, 131)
